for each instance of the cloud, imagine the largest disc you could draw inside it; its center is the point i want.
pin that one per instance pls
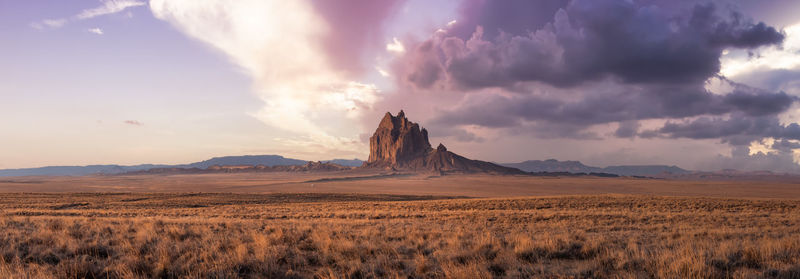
(355, 32)
(599, 69)
(382, 72)
(95, 30)
(395, 46)
(292, 50)
(585, 63)
(49, 23)
(585, 41)
(602, 103)
(772, 68)
(108, 7)
(743, 158)
(133, 122)
(627, 129)
(736, 129)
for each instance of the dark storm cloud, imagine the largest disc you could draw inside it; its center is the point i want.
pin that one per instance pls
(759, 104)
(738, 129)
(737, 32)
(586, 40)
(785, 145)
(624, 104)
(627, 129)
(612, 62)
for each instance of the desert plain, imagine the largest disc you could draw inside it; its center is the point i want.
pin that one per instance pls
(362, 224)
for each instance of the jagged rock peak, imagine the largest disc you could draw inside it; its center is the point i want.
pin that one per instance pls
(397, 140)
(399, 144)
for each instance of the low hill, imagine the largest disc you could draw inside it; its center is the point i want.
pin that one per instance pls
(645, 170)
(77, 170)
(307, 167)
(346, 162)
(552, 165)
(246, 160)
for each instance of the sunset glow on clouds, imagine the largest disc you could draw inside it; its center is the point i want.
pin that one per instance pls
(606, 82)
(279, 45)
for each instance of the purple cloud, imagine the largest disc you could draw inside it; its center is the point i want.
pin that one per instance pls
(557, 68)
(585, 41)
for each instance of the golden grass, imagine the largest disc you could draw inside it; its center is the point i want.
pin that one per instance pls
(381, 236)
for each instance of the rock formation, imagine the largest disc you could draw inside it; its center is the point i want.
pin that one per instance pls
(399, 144)
(397, 141)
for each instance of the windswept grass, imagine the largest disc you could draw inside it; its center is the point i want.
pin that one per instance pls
(378, 236)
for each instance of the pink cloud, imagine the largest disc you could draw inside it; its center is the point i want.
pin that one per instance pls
(133, 122)
(356, 28)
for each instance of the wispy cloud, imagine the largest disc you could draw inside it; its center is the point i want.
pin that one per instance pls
(95, 30)
(133, 122)
(49, 23)
(108, 7)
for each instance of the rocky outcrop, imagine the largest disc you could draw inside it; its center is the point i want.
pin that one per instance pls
(397, 141)
(399, 144)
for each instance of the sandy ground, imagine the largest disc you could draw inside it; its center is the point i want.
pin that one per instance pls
(374, 183)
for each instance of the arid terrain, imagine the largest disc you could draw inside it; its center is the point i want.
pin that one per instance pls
(163, 235)
(371, 224)
(372, 182)
(401, 139)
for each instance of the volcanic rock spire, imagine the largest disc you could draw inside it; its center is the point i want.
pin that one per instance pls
(400, 144)
(397, 141)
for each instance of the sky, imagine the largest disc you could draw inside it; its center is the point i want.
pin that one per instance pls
(705, 85)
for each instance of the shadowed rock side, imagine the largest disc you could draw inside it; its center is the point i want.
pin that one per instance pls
(399, 144)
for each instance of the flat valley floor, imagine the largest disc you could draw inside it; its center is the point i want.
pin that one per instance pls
(358, 182)
(375, 226)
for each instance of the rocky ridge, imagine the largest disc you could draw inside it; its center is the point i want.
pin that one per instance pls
(307, 167)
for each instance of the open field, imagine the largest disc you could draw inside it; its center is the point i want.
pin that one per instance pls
(140, 235)
(376, 183)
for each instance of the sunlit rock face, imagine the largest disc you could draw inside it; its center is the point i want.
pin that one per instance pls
(397, 141)
(399, 144)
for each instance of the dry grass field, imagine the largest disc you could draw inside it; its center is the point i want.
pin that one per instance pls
(163, 235)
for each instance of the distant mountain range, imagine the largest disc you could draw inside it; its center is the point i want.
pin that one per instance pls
(247, 160)
(553, 165)
(535, 166)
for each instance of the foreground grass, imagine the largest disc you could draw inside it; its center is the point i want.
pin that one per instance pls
(355, 236)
